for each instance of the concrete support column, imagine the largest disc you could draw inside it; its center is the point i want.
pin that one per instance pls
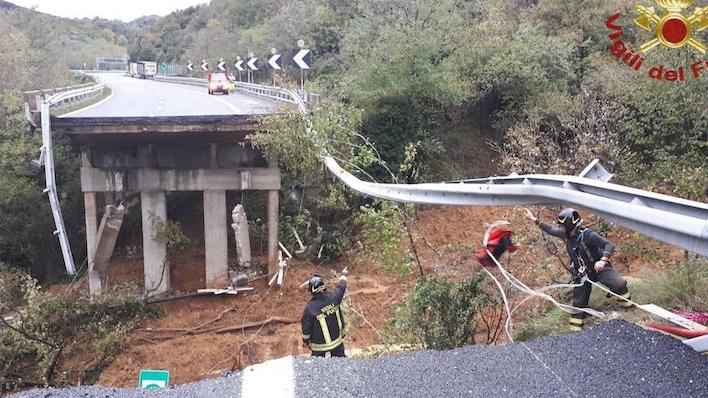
(156, 266)
(216, 239)
(91, 230)
(272, 225)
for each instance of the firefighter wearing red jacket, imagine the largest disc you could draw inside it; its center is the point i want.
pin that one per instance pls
(323, 327)
(589, 256)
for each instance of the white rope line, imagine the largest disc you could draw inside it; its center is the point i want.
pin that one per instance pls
(519, 285)
(507, 329)
(613, 293)
(550, 370)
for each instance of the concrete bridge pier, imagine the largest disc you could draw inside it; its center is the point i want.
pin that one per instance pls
(156, 266)
(216, 239)
(91, 229)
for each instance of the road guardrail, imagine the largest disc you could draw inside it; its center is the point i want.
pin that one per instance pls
(274, 93)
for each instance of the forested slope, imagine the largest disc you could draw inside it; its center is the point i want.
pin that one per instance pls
(541, 69)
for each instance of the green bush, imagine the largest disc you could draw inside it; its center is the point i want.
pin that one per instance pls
(684, 286)
(443, 314)
(382, 229)
(49, 327)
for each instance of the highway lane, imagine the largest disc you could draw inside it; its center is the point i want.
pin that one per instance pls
(147, 98)
(611, 359)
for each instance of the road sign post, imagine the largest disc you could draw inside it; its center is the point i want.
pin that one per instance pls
(152, 379)
(252, 67)
(302, 59)
(239, 67)
(274, 62)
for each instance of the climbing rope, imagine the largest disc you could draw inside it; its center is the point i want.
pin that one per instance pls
(519, 285)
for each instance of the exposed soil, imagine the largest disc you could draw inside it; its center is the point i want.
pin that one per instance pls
(186, 341)
(194, 357)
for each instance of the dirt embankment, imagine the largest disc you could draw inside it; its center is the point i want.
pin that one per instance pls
(196, 338)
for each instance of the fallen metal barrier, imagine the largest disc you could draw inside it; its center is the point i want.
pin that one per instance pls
(676, 221)
(46, 158)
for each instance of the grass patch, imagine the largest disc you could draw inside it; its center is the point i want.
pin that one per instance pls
(684, 286)
(541, 323)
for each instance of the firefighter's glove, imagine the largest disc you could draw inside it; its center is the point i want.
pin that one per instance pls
(343, 274)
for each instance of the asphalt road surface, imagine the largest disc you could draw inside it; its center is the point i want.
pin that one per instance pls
(612, 359)
(133, 97)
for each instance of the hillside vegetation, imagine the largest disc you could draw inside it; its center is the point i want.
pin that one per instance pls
(537, 71)
(39, 48)
(413, 91)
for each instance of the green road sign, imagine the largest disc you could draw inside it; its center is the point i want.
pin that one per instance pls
(154, 378)
(164, 66)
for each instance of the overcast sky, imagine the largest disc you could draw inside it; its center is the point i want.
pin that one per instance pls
(126, 10)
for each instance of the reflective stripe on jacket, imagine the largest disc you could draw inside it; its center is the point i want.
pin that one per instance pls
(322, 322)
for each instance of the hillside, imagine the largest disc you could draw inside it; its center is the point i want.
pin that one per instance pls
(53, 44)
(411, 92)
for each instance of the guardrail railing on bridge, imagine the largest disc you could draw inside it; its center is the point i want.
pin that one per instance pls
(32, 99)
(44, 105)
(274, 93)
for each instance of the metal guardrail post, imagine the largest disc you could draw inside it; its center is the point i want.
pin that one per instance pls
(51, 189)
(44, 105)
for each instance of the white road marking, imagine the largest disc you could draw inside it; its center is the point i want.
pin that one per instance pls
(272, 379)
(88, 107)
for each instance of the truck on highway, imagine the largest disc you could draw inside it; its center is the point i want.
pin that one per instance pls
(146, 69)
(133, 69)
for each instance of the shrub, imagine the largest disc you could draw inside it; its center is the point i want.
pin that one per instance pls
(382, 228)
(49, 327)
(443, 314)
(685, 286)
(538, 324)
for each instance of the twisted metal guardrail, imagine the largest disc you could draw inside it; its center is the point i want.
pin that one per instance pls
(33, 98)
(45, 104)
(676, 221)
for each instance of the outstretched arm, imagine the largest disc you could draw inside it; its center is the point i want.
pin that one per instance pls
(341, 286)
(547, 228)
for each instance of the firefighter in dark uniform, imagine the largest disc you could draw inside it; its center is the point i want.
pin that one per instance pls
(589, 256)
(322, 322)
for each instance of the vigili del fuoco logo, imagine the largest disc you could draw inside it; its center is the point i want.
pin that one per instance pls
(674, 26)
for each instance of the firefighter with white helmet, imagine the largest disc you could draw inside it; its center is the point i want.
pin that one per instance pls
(323, 327)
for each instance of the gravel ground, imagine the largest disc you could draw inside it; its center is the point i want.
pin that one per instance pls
(612, 359)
